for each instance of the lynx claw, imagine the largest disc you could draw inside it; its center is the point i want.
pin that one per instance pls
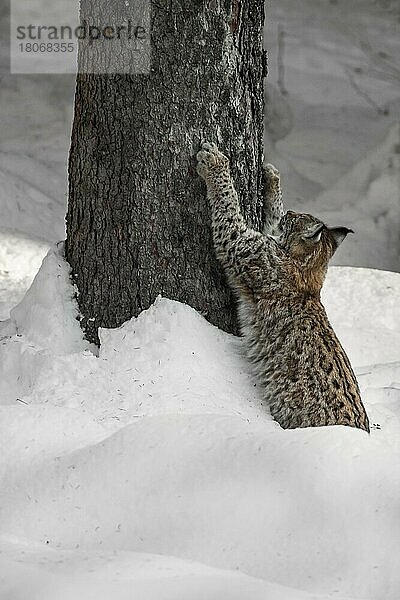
(209, 146)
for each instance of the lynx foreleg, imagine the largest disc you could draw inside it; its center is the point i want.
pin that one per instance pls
(241, 250)
(273, 203)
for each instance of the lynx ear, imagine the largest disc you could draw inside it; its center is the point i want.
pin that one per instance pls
(338, 234)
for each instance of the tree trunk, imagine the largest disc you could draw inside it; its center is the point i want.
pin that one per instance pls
(138, 221)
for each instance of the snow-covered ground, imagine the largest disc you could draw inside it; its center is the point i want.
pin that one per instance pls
(153, 470)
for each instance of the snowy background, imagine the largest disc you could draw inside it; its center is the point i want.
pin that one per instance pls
(131, 474)
(333, 118)
(333, 97)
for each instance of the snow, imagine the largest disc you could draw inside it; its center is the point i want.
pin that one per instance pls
(20, 259)
(371, 189)
(126, 575)
(332, 118)
(154, 468)
(44, 315)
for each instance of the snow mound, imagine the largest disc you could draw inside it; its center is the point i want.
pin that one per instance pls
(20, 256)
(161, 445)
(47, 315)
(173, 361)
(126, 575)
(364, 309)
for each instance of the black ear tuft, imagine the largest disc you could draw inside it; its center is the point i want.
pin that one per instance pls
(338, 234)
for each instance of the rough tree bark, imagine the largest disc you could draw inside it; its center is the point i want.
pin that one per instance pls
(138, 221)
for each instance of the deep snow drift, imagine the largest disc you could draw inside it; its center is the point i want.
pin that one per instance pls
(161, 446)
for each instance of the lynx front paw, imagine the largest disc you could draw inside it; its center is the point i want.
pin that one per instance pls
(272, 183)
(271, 174)
(210, 160)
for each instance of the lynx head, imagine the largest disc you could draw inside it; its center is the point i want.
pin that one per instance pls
(310, 244)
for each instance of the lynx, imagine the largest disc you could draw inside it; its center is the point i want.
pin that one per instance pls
(277, 276)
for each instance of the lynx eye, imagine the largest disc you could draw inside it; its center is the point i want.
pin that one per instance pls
(314, 235)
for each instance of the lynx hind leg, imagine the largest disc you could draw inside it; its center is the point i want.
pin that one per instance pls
(273, 203)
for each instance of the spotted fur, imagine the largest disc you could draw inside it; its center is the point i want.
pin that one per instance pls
(277, 275)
